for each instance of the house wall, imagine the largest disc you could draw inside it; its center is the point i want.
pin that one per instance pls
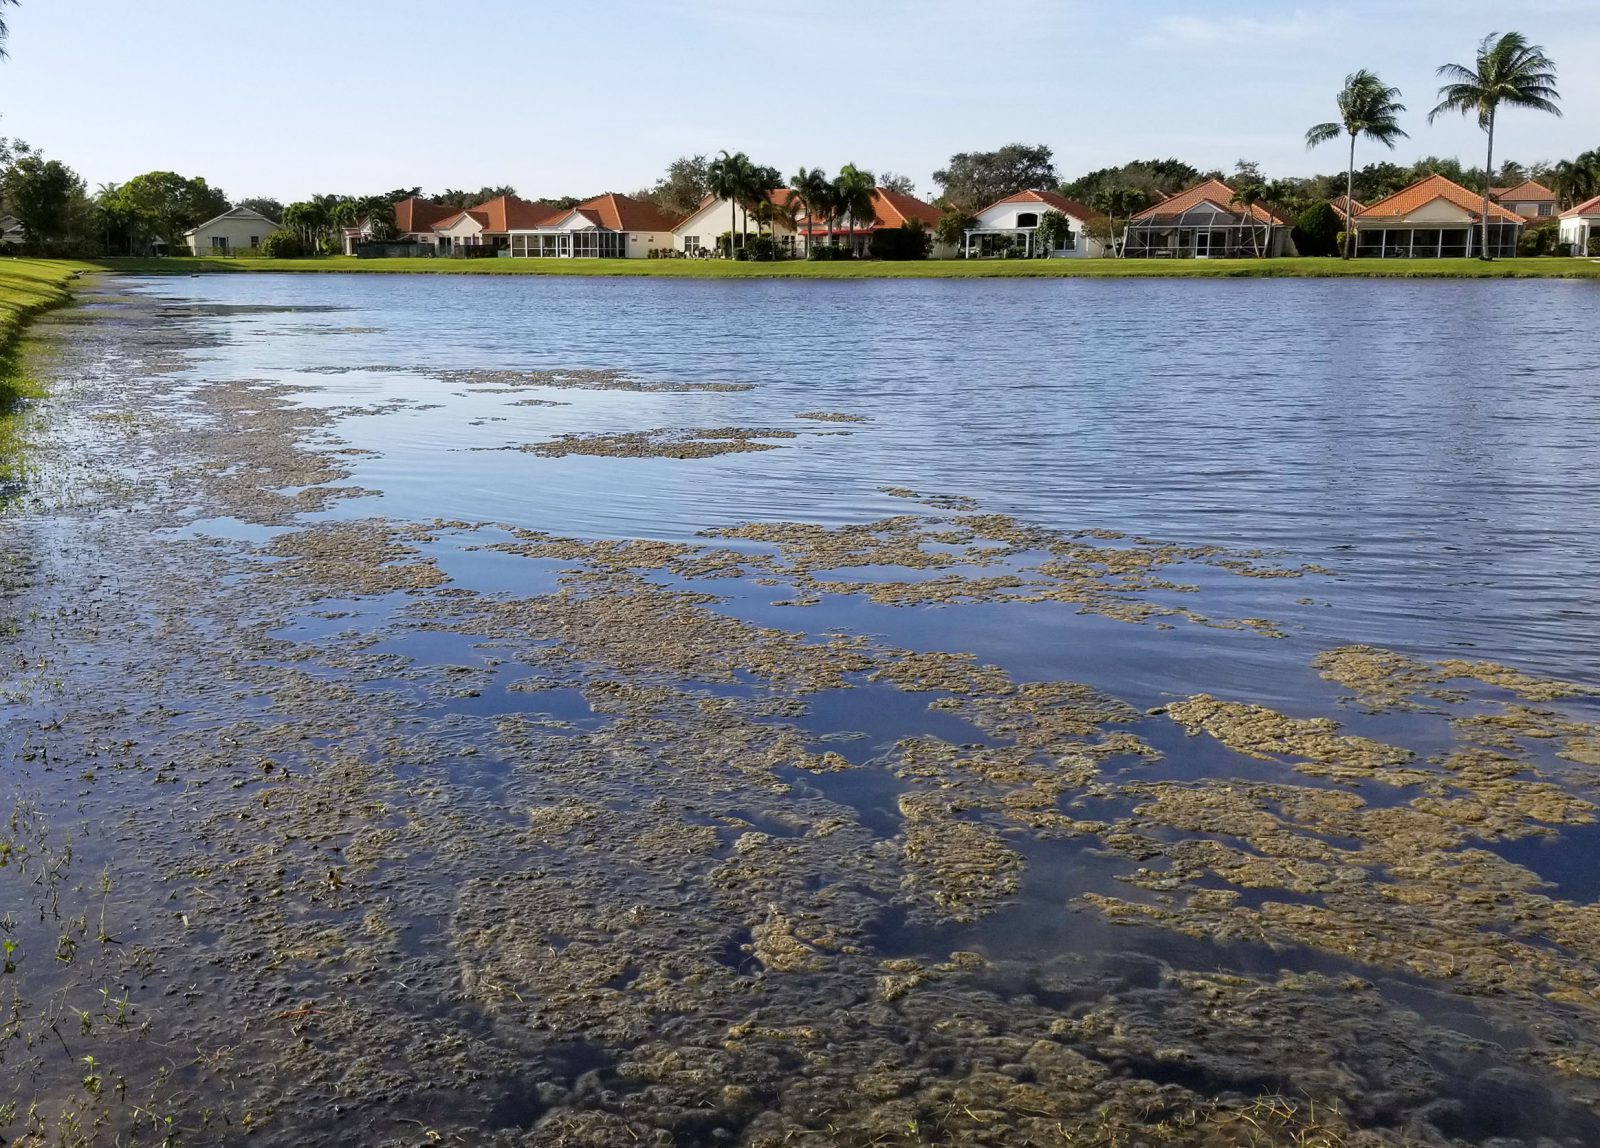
(1579, 230)
(239, 233)
(463, 230)
(1531, 209)
(711, 221)
(1004, 215)
(641, 243)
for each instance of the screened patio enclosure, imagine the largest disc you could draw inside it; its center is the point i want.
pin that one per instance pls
(1212, 240)
(586, 243)
(1459, 242)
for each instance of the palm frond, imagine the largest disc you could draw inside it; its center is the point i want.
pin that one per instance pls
(1322, 133)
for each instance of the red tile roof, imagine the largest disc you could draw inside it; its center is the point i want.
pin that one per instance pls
(624, 213)
(420, 214)
(1214, 192)
(1587, 207)
(1338, 205)
(1049, 198)
(507, 213)
(892, 209)
(1425, 191)
(1528, 191)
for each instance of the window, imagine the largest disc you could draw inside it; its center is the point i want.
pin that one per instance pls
(691, 243)
(219, 243)
(1545, 208)
(255, 241)
(1028, 219)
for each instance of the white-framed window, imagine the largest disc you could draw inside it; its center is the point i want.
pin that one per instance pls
(691, 243)
(1546, 208)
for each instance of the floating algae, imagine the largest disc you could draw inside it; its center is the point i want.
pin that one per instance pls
(663, 442)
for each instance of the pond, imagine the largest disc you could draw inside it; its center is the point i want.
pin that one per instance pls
(546, 710)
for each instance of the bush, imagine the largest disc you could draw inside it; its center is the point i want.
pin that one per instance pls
(831, 251)
(1594, 245)
(1319, 230)
(908, 241)
(762, 249)
(1539, 239)
(282, 245)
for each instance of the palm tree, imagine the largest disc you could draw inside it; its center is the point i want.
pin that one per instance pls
(759, 183)
(852, 195)
(727, 176)
(1247, 193)
(5, 32)
(1576, 180)
(1509, 71)
(1367, 107)
(810, 185)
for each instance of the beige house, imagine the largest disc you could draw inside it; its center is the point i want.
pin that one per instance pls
(1434, 218)
(240, 229)
(1529, 199)
(696, 234)
(606, 227)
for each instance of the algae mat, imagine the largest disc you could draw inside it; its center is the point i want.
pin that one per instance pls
(323, 821)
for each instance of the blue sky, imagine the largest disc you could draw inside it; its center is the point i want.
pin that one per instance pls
(579, 97)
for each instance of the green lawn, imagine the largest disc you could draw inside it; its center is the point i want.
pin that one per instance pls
(28, 286)
(930, 269)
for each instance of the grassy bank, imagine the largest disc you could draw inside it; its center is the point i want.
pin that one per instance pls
(27, 287)
(1547, 268)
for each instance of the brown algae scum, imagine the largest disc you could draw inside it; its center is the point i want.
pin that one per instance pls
(305, 836)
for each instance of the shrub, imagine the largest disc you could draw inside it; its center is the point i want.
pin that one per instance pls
(762, 249)
(1319, 230)
(282, 245)
(1594, 245)
(908, 241)
(1539, 239)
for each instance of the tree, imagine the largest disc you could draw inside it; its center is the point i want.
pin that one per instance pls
(5, 31)
(162, 205)
(1508, 71)
(1317, 230)
(953, 227)
(1576, 180)
(461, 199)
(263, 205)
(684, 186)
(852, 195)
(728, 176)
(1249, 191)
(1052, 232)
(1367, 107)
(894, 181)
(43, 195)
(1114, 201)
(760, 182)
(973, 180)
(1154, 177)
(811, 186)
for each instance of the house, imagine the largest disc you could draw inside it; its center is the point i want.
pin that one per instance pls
(1434, 218)
(1529, 199)
(890, 210)
(608, 226)
(12, 233)
(1342, 205)
(1207, 222)
(240, 229)
(490, 225)
(414, 219)
(1580, 226)
(1013, 222)
(696, 234)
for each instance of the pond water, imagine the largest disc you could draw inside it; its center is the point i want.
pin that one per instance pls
(888, 799)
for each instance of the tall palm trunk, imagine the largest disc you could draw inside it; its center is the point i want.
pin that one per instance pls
(1488, 178)
(733, 224)
(1350, 201)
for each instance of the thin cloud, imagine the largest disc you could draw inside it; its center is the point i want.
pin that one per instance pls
(1196, 31)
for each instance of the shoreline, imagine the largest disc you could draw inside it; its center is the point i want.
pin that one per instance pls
(1540, 267)
(29, 288)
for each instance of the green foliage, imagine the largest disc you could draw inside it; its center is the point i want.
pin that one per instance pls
(973, 180)
(831, 253)
(1539, 238)
(1318, 229)
(159, 206)
(1153, 177)
(1053, 232)
(1594, 245)
(686, 183)
(282, 244)
(264, 205)
(762, 249)
(461, 199)
(953, 226)
(908, 241)
(46, 196)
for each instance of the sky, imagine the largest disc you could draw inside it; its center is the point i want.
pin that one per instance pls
(577, 97)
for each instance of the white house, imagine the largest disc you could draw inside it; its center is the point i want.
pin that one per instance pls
(1580, 226)
(12, 233)
(606, 227)
(240, 229)
(1434, 218)
(1012, 223)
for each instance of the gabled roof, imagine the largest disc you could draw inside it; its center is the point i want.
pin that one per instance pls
(1587, 207)
(893, 209)
(233, 213)
(509, 213)
(1214, 192)
(413, 214)
(624, 213)
(1050, 199)
(451, 220)
(1528, 191)
(1338, 203)
(1425, 191)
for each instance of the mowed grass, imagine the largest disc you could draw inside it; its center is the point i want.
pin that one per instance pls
(1542, 268)
(27, 287)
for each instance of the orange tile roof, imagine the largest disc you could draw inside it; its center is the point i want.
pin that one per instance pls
(1060, 202)
(507, 212)
(1425, 191)
(419, 214)
(893, 208)
(471, 213)
(1587, 207)
(1212, 191)
(1338, 205)
(1528, 191)
(624, 213)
